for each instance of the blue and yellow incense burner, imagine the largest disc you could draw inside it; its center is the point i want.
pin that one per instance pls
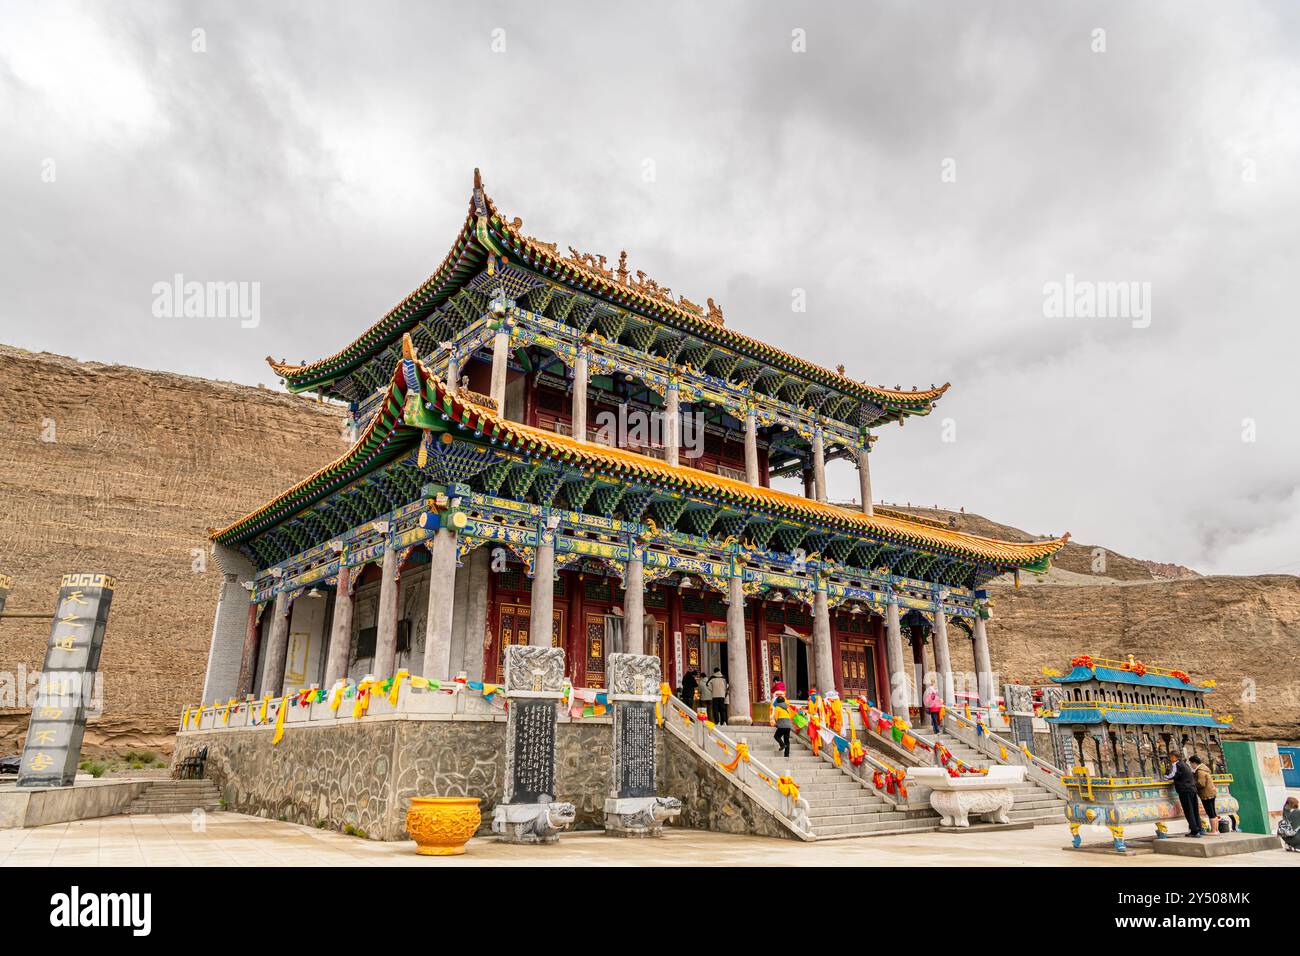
(1117, 724)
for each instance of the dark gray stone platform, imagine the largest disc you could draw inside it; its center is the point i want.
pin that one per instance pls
(1218, 844)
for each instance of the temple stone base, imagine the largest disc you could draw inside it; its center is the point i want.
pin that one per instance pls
(362, 774)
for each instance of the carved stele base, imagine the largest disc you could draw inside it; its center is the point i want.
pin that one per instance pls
(639, 816)
(956, 806)
(531, 822)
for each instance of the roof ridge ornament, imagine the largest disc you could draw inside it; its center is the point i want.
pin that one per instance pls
(479, 200)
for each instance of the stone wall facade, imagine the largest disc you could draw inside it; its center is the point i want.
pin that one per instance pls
(363, 774)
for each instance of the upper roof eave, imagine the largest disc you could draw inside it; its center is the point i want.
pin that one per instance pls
(368, 453)
(485, 227)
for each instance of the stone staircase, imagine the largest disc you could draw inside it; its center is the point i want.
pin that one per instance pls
(839, 806)
(177, 796)
(1034, 803)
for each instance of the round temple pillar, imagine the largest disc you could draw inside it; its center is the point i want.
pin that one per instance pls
(478, 567)
(899, 698)
(386, 622)
(248, 661)
(819, 465)
(672, 436)
(442, 588)
(336, 660)
(634, 605)
(580, 395)
(751, 448)
(543, 603)
(943, 658)
(823, 660)
(864, 477)
(983, 664)
(500, 366)
(277, 647)
(737, 654)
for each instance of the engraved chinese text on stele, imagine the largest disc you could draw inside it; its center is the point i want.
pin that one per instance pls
(534, 681)
(633, 687)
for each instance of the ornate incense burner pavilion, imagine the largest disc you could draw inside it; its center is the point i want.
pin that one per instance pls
(1116, 726)
(554, 450)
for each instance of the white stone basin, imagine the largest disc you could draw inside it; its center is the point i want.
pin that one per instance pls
(956, 798)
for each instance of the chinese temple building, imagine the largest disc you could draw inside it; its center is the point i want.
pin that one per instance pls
(553, 449)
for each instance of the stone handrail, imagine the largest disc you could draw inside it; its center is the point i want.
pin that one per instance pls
(860, 774)
(750, 774)
(1039, 770)
(451, 698)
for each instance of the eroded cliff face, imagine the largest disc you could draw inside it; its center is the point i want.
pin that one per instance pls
(108, 468)
(123, 470)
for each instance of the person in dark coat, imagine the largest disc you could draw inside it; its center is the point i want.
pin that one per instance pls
(689, 684)
(1184, 778)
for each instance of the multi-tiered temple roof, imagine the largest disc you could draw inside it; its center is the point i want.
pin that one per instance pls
(613, 302)
(396, 432)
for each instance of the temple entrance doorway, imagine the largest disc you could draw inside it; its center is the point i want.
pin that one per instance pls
(795, 664)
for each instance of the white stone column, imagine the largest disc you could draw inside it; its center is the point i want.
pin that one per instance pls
(336, 659)
(442, 588)
(899, 698)
(819, 465)
(672, 425)
(737, 655)
(943, 658)
(751, 448)
(983, 664)
(277, 647)
(386, 616)
(580, 395)
(864, 477)
(479, 566)
(823, 658)
(500, 367)
(228, 663)
(634, 605)
(543, 605)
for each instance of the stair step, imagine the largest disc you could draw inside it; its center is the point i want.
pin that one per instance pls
(874, 829)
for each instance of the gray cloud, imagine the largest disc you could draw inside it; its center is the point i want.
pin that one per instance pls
(325, 151)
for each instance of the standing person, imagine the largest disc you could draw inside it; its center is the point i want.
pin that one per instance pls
(781, 718)
(933, 703)
(718, 696)
(1288, 828)
(1206, 790)
(1185, 786)
(689, 684)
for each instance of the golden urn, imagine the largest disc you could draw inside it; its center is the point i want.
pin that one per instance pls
(441, 826)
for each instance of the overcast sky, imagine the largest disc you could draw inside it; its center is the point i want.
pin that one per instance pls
(922, 171)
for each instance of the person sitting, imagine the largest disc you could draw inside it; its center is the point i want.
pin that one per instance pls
(1288, 828)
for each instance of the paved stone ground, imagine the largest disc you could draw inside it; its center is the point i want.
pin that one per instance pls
(232, 839)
